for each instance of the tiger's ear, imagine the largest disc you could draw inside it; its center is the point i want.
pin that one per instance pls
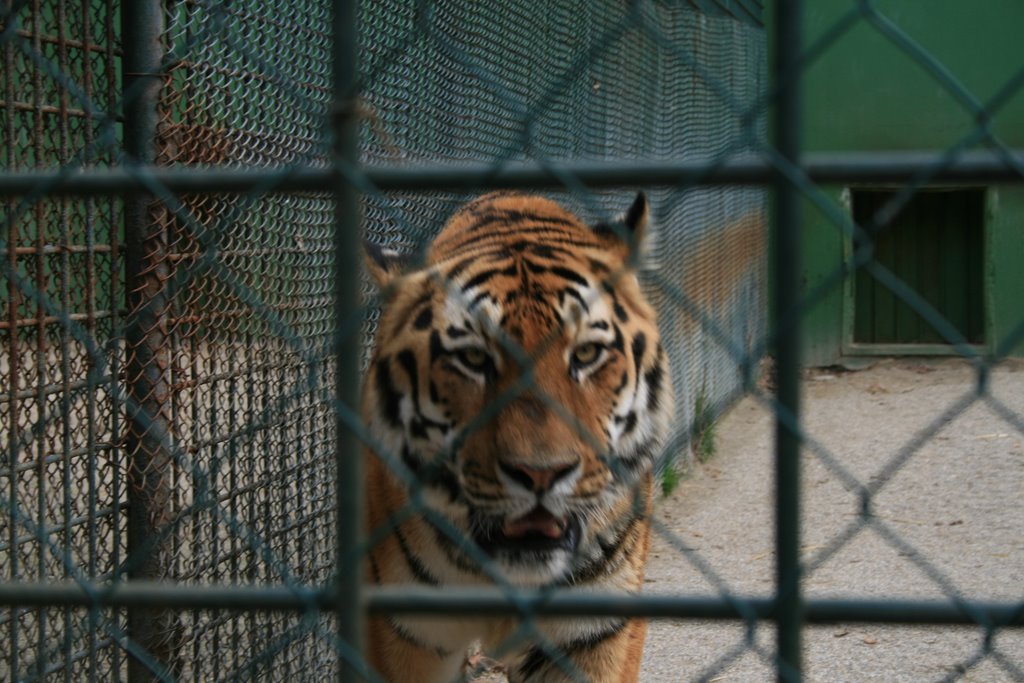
(385, 265)
(626, 235)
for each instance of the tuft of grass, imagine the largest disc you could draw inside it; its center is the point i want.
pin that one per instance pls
(702, 445)
(670, 478)
(703, 430)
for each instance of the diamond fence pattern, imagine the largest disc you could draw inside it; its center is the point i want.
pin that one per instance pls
(183, 326)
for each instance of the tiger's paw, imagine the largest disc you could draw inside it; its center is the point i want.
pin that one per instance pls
(479, 668)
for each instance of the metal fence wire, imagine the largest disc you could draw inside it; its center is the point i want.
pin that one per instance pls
(184, 320)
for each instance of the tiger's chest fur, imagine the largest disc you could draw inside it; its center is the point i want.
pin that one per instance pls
(517, 398)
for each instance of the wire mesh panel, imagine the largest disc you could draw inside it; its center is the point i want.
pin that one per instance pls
(247, 325)
(231, 362)
(62, 476)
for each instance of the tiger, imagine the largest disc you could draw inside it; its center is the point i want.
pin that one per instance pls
(517, 396)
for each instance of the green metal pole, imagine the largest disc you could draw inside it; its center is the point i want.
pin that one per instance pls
(147, 269)
(347, 248)
(786, 274)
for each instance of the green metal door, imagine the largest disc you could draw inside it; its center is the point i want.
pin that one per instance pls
(935, 245)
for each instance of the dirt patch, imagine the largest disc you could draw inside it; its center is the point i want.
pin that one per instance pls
(941, 465)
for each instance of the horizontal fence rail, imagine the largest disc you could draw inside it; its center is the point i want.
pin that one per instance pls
(974, 166)
(464, 602)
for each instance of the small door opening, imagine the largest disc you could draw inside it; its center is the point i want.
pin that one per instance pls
(936, 246)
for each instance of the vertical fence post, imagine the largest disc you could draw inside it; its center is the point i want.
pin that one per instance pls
(786, 264)
(347, 248)
(146, 273)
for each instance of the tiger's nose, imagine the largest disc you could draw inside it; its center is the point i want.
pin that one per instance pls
(538, 479)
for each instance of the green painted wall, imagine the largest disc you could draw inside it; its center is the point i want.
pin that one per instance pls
(865, 93)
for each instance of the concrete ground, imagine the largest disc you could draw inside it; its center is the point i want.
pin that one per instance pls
(948, 518)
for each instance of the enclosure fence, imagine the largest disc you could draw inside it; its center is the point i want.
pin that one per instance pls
(185, 190)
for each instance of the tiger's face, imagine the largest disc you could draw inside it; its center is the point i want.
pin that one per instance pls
(519, 377)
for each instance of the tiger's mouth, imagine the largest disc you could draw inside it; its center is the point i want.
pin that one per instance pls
(538, 531)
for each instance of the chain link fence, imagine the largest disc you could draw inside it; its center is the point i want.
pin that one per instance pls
(182, 322)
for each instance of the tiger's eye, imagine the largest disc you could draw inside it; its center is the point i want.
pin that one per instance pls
(585, 354)
(474, 358)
